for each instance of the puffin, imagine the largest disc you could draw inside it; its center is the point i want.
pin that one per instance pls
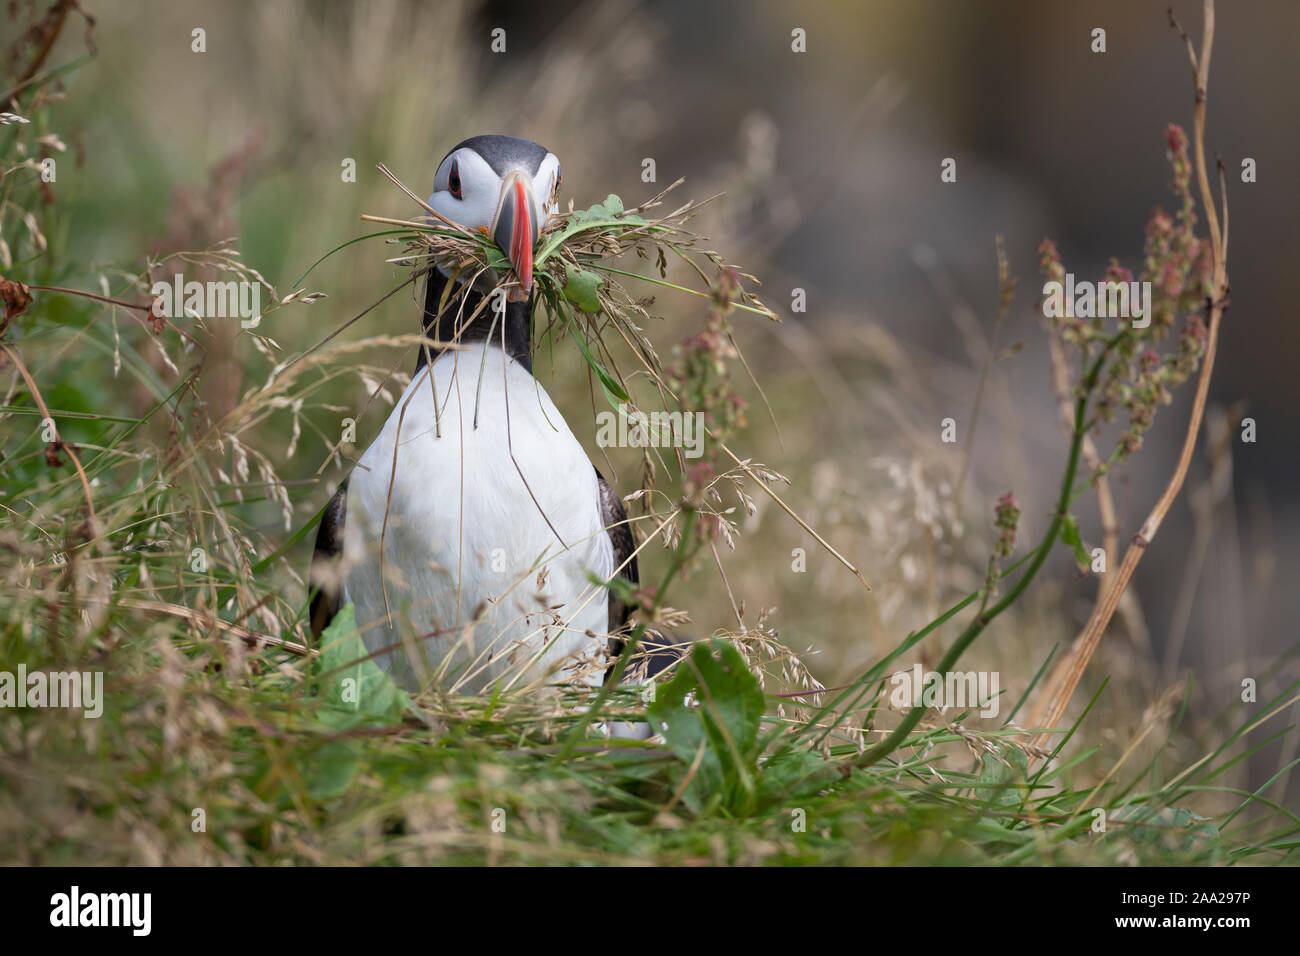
(474, 537)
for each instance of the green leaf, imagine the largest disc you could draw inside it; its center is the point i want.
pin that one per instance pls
(710, 712)
(1002, 777)
(604, 215)
(1070, 535)
(331, 769)
(580, 288)
(354, 691)
(794, 774)
(1169, 826)
(613, 391)
(608, 213)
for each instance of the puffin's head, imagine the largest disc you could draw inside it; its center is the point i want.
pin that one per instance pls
(504, 187)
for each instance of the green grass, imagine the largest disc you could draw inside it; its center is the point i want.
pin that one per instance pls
(284, 775)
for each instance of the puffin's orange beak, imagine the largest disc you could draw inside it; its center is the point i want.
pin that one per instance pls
(516, 230)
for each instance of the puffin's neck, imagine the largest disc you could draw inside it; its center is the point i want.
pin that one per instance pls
(517, 321)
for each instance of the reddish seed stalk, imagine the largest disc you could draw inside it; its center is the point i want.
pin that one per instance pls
(1052, 706)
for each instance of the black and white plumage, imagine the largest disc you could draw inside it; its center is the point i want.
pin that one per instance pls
(489, 511)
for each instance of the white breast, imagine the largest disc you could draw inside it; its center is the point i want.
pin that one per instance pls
(467, 552)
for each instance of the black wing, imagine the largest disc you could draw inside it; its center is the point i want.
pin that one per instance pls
(660, 647)
(614, 517)
(324, 575)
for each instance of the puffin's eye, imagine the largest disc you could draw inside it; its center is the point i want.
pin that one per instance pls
(453, 179)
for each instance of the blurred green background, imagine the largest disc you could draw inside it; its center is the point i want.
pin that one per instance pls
(829, 161)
